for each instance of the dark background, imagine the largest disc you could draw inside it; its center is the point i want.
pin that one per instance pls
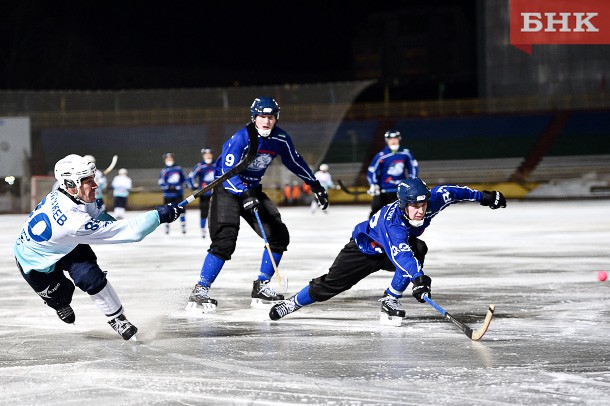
(419, 49)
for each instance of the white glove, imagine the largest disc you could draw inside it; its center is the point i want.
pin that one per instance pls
(373, 190)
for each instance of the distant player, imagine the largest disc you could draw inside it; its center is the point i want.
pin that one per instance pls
(201, 175)
(121, 187)
(240, 195)
(387, 169)
(102, 184)
(171, 180)
(389, 240)
(325, 179)
(56, 236)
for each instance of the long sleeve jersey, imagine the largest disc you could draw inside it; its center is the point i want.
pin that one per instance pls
(171, 180)
(201, 175)
(388, 169)
(59, 223)
(388, 231)
(278, 143)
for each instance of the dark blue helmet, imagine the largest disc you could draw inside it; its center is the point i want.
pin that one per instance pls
(206, 150)
(412, 191)
(264, 106)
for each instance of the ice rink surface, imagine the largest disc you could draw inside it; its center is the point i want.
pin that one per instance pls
(536, 261)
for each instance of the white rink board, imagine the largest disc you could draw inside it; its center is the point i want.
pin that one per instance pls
(536, 261)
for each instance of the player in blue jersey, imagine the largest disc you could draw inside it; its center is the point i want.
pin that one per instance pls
(171, 180)
(389, 240)
(387, 169)
(199, 177)
(240, 195)
(56, 236)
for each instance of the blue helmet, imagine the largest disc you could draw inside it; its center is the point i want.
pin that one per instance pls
(264, 105)
(412, 191)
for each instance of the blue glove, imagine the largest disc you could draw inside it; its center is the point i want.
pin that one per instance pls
(169, 212)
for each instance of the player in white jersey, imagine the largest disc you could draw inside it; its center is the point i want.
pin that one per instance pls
(56, 236)
(325, 179)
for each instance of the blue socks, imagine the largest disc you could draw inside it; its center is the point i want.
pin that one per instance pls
(210, 269)
(302, 298)
(202, 223)
(267, 270)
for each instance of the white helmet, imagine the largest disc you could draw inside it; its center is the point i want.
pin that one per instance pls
(122, 171)
(70, 170)
(324, 168)
(90, 158)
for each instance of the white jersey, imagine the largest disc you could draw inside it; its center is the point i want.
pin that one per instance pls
(325, 179)
(121, 185)
(59, 224)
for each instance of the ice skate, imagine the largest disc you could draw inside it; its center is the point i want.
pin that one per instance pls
(183, 226)
(263, 295)
(203, 233)
(66, 314)
(167, 228)
(122, 326)
(283, 308)
(391, 311)
(200, 301)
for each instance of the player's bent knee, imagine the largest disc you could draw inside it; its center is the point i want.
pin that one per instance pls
(59, 294)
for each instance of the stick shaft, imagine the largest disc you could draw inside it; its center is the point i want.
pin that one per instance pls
(260, 225)
(241, 165)
(467, 330)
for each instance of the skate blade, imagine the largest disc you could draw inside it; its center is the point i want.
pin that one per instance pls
(394, 321)
(134, 338)
(192, 307)
(263, 304)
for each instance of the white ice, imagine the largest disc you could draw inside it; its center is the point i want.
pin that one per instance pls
(536, 261)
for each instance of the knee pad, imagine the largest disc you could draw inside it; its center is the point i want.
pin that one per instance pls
(88, 277)
(280, 238)
(58, 294)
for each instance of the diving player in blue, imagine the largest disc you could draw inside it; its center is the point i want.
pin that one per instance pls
(199, 177)
(387, 169)
(240, 195)
(55, 239)
(171, 180)
(389, 240)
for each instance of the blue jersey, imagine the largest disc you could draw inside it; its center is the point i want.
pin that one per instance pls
(201, 175)
(171, 180)
(278, 143)
(388, 231)
(388, 169)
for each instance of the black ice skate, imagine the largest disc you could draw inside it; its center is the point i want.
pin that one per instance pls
(392, 312)
(283, 308)
(66, 314)
(122, 326)
(263, 295)
(200, 301)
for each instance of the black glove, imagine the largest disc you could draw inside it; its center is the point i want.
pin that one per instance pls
(493, 199)
(169, 212)
(249, 199)
(421, 286)
(320, 194)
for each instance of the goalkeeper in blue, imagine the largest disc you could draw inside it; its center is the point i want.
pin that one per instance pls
(55, 239)
(389, 241)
